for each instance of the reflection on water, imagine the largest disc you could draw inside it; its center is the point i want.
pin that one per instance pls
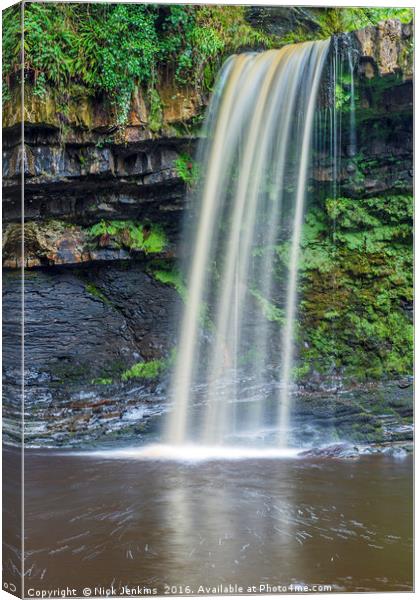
(91, 521)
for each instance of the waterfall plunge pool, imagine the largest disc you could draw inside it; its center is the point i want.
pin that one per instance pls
(92, 521)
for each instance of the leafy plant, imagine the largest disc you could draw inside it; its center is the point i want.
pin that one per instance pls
(130, 234)
(110, 49)
(212, 33)
(187, 169)
(144, 370)
(341, 96)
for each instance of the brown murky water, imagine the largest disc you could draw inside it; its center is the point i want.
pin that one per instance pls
(175, 527)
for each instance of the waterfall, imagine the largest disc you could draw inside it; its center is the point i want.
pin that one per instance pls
(237, 329)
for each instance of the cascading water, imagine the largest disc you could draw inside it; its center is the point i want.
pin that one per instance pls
(243, 267)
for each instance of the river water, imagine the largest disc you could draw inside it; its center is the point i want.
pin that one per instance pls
(93, 520)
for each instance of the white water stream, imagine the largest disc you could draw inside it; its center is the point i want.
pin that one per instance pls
(255, 158)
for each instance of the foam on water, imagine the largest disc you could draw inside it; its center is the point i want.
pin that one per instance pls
(192, 453)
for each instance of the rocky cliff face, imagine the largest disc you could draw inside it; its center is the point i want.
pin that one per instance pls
(103, 216)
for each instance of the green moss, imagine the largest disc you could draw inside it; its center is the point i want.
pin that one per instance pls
(356, 280)
(156, 110)
(102, 381)
(94, 291)
(144, 370)
(130, 234)
(300, 372)
(172, 278)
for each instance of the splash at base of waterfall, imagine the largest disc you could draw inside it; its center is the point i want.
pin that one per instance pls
(193, 453)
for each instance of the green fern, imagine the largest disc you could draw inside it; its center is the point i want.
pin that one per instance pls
(131, 234)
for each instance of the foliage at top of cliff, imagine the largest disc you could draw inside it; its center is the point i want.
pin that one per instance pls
(331, 21)
(109, 49)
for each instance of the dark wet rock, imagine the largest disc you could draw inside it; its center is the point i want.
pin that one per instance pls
(83, 184)
(66, 416)
(148, 306)
(65, 413)
(395, 452)
(75, 335)
(88, 203)
(47, 160)
(405, 383)
(93, 114)
(374, 413)
(333, 451)
(278, 20)
(349, 451)
(61, 319)
(384, 160)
